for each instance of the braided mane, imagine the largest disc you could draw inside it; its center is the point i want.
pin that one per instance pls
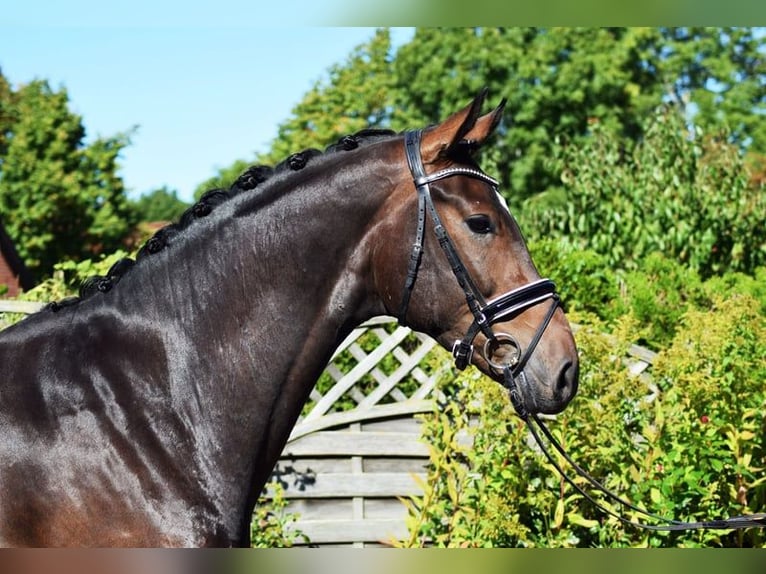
(253, 177)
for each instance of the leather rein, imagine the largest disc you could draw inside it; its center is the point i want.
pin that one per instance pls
(503, 308)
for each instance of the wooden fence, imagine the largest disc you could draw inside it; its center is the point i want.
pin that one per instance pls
(344, 468)
(356, 449)
(14, 306)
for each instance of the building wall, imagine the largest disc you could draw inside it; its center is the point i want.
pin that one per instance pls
(8, 278)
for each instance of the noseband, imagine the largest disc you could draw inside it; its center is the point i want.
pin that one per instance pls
(485, 313)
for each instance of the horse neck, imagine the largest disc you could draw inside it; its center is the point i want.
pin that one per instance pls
(253, 316)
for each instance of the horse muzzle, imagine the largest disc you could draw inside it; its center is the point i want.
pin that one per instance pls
(540, 379)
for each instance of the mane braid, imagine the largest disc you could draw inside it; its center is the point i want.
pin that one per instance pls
(253, 177)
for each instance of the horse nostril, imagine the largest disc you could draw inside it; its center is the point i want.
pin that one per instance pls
(568, 377)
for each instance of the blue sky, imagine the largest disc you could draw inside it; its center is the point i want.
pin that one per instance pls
(202, 92)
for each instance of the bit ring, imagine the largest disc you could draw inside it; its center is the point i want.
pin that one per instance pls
(492, 345)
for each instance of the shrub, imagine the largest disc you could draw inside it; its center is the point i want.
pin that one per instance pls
(65, 281)
(657, 295)
(270, 526)
(685, 196)
(689, 444)
(584, 279)
(731, 283)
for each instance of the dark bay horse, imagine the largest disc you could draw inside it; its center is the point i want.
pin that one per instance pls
(151, 410)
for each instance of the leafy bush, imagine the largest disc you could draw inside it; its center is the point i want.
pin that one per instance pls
(270, 526)
(731, 283)
(65, 281)
(69, 275)
(584, 279)
(657, 296)
(690, 445)
(657, 293)
(687, 197)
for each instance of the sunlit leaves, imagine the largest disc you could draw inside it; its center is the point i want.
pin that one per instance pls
(59, 198)
(690, 445)
(682, 193)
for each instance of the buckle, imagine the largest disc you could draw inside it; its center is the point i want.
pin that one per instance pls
(463, 353)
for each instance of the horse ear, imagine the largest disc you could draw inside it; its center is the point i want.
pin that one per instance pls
(483, 127)
(465, 127)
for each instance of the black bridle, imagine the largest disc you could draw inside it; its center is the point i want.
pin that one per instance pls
(485, 313)
(505, 307)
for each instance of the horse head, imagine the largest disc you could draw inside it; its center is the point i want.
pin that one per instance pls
(461, 272)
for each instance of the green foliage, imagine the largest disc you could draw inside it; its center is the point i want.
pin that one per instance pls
(271, 524)
(65, 281)
(720, 71)
(60, 200)
(727, 284)
(464, 502)
(656, 295)
(708, 441)
(555, 79)
(685, 197)
(67, 277)
(558, 81)
(691, 445)
(6, 114)
(584, 279)
(162, 204)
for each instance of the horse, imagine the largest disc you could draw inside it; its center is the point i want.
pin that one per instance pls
(150, 410)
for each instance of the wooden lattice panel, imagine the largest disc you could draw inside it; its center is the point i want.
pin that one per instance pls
(379, 363)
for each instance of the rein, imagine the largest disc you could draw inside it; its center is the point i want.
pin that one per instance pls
(505, 307)
(733, 523)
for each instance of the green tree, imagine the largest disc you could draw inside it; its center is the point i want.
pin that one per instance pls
(558, 81)
(6, 117)
(719, 74)
(59, 198)
(554, 80)
(684, 195)
(162, 204)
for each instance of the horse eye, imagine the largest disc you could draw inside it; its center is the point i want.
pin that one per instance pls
(480, 224)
